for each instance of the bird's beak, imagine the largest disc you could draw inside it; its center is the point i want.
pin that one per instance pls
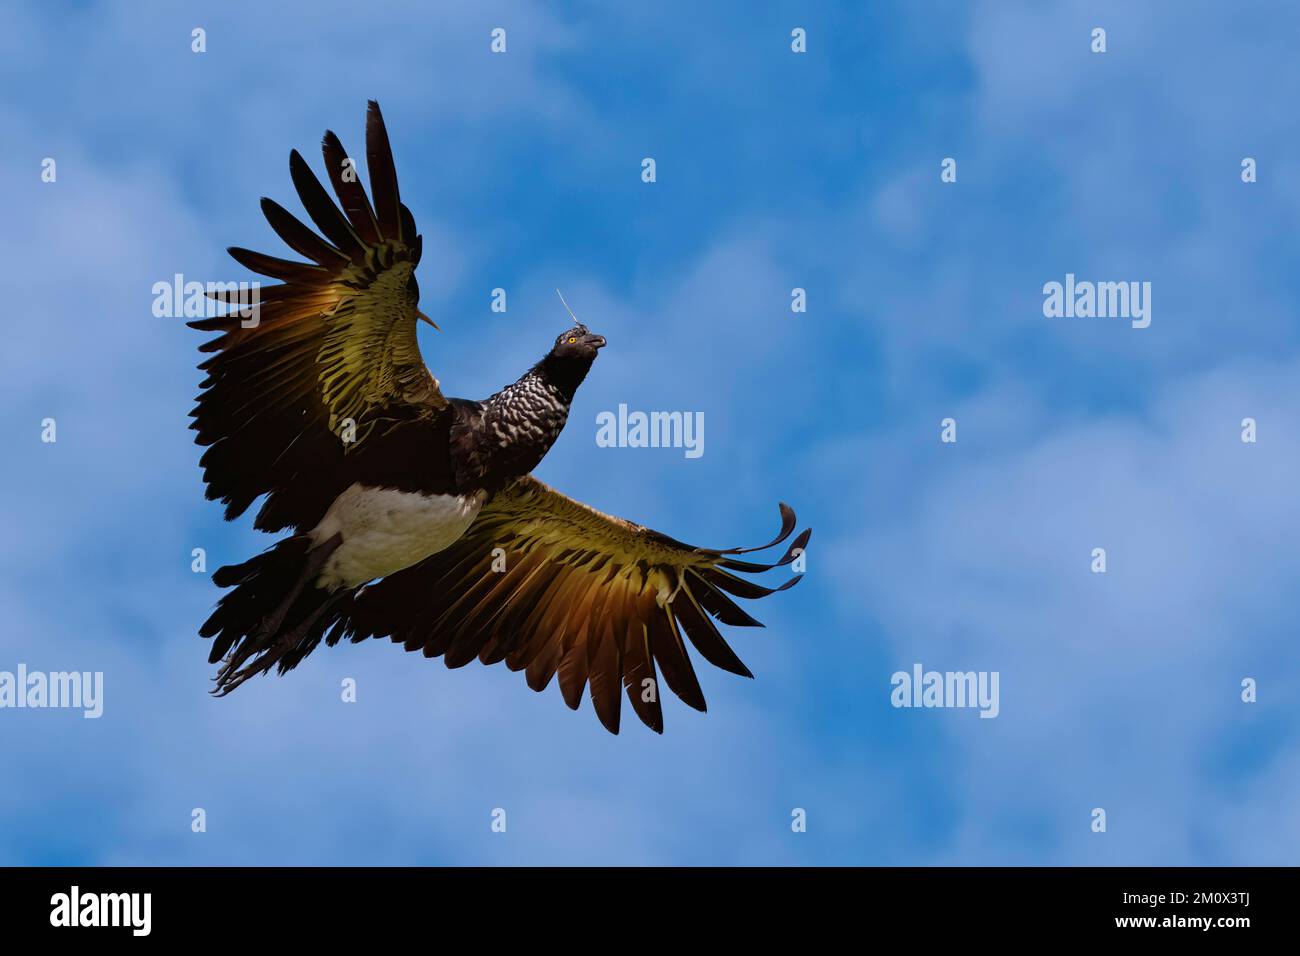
(424, 318)
(597, 341)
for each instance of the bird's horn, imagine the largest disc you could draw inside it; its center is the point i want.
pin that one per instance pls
(570, 311)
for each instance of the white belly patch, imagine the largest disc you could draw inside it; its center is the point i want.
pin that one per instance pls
(385, 530)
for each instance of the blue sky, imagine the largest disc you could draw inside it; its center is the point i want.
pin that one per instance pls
(775, 170)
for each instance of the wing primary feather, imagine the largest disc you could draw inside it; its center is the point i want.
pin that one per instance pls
(301, 239)
(471, 633)
(638, 667)
(322, 210)
(572, 672)
(787, 525)
(718, 604)
(705, 635)
(546, 645)
(742, 588)
(383, 175)
(605, 676)
(352, 195)
(799, 544)
(573, 668)
(408, 232)
(299, 272)
(501, 637)
(670, 653)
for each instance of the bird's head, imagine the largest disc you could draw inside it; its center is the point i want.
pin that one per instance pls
(578, 342)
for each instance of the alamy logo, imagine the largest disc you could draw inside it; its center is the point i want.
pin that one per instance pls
(82, 690)
(103, 909)
(1102, 300)
(922, 688)
(179, 299)
(651, 430)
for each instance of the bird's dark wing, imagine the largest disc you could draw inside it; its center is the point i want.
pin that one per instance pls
(552, 586)
(329, 355)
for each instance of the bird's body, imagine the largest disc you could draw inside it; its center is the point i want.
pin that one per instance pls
(415, 515)
(382, 530)
(426, 480)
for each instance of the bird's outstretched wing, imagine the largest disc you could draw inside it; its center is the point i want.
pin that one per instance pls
(552, 586)
(306, 370)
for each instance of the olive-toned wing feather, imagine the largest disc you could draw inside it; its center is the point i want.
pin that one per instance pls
(306, 370)
(552, 586)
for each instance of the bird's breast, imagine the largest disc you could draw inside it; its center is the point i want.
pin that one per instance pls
(385, 530)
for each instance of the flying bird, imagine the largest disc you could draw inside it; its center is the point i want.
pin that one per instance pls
(415, 516)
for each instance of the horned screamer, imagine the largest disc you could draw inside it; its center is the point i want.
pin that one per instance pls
(414, 515)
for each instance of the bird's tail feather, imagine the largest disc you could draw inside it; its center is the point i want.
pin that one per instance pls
(276, 615)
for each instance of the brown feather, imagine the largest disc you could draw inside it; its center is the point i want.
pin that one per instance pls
(352, 195)
(299, 238)
(705, 636)
(383, 177)
(598, 602)
(322, 210)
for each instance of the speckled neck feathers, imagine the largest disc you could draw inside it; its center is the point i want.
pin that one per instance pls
(507, 435)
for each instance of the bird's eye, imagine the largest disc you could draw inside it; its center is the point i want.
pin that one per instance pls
(572, 340)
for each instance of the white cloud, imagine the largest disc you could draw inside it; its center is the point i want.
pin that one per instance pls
(1116, 688)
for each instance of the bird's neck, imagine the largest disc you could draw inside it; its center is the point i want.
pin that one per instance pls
(564, 374)
(523, 420)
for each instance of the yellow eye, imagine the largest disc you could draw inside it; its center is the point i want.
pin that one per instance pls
(572, 340)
